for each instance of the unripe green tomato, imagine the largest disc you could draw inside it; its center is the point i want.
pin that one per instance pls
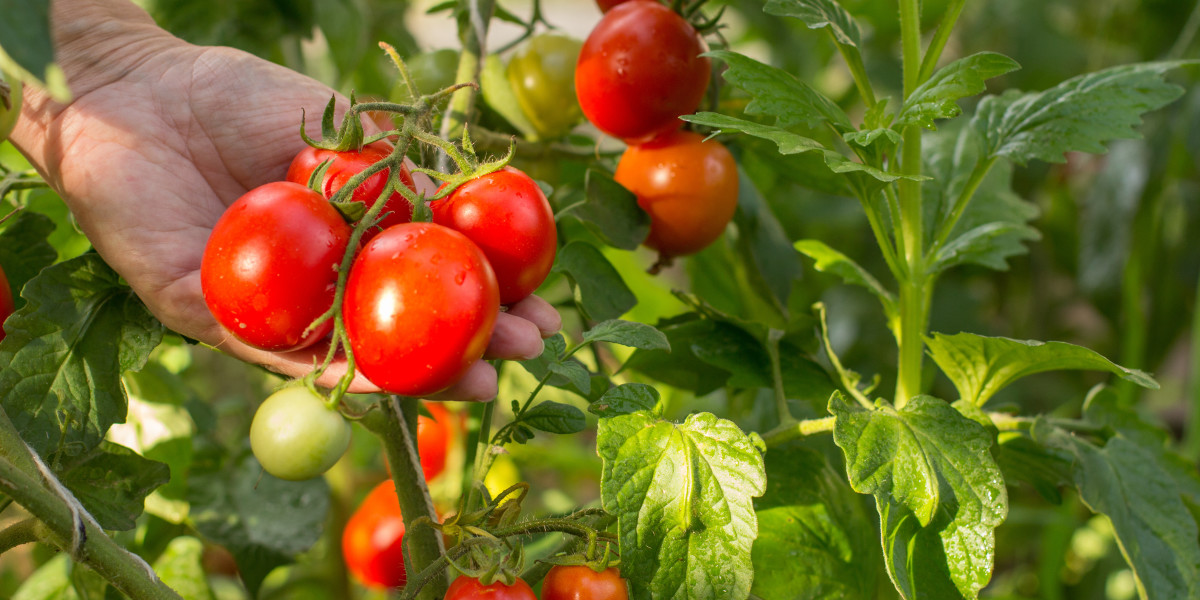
(295, 436)
(430, 71)
(9, 111)
(542, 75)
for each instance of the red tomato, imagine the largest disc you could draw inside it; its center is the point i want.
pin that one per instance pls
(6, 302)
(578, 582)
(468, 588)
(372, 543)
(640, 69)
(506, 214)
(347, 164)
(271, 265)
(419, 307)
(689, 187)
(434, 437)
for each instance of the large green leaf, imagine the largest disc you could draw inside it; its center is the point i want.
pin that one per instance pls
(812, 522)
(612, 212)
(779, 94)
(555, 417)
(112, 482)
(601, 291)
(980, 366)
(938, 97)
(627, 333)
(60, 578)
(1129, 484)
(682, 495)
(817, 14)
(24, 250)
(763, 247)
(180, 568)
(680, 367)
(939, 493)
(1079, 114)
(831, 261)
(65, 352)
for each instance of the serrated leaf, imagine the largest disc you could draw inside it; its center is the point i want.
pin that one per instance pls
(980, 366)
(938, 97)
(763, 247)
(624, 399)
(810, 520)
(628, 333)
(263, 521)
(61, 384)
(112, 482)
(612, 212)
(777, 93)
(555, 417)
(24, 250)
(180, 568)
(869, 137)
(1155, 531)
(935, 484)
(574, 373)
(682, 495)
(602, 292)
(793, 143)
(833, 262)
(817, 14)
(1079, 114)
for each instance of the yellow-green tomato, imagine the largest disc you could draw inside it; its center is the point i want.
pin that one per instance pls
(10, 103)
(430, 71)
(542, 75)
(295, 436)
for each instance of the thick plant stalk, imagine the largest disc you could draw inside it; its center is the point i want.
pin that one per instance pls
(473, 33)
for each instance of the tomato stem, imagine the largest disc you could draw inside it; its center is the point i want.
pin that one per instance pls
(798, 429)
(940, 37)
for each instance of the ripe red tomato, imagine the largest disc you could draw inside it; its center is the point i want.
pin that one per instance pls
(468, 588)
(506, 214)
(345, 165)
(688, 185)
(578, 582)
(434, 437)
(373, 540)
(419, 308)
(6, 302)
(271, 265)
(639, 70)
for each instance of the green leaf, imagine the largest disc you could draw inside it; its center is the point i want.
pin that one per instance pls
(574, 373)
(869, 137)
(112, 482)
(625, 399)
(628, 333)
(1129, 484)
(25, 36)
(1079, 114)
(937, 97)
(62, 378)
(680, 367)
(980, 366)
(555, 417)
(1023, 459)
(263, 521)
(735, 350)
(682, 495)
(777, 93)
(343, 23)
(763, 247)
(554, 347)
(612, 212)
(601, 291)
(817, 14)
(935, 484)
(180, 568)
(24, 250)
(811, 521)
(833, 262)
(793, 143)
(60, 578)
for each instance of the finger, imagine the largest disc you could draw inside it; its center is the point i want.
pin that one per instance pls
(514, 338)
(478, 385)
(539, 312)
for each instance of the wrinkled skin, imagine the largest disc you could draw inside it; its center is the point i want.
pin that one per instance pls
(160, 137)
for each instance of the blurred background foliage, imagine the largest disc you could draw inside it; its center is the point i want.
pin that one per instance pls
(1116, 268)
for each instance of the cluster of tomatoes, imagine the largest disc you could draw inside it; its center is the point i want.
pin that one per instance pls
(640, 69)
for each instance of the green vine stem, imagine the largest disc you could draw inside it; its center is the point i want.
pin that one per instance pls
(21, 533)
(940, 37)
(537, 571)
(781, 405)
(472, 32)
(797, 430)
(424, 544)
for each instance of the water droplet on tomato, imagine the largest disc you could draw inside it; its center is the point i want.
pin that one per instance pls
(460, 277)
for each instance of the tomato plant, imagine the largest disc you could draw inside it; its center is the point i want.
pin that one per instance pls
(295, 436)
(581, 582)
(639, 70)
(541, 72)
(506, 214)
(270, 265)
(469, 588)
(420, 305)
(343, 166)
(6, 301)
(373, 540)
(689, 187)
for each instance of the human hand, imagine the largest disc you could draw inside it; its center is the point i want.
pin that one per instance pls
(160, 138)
